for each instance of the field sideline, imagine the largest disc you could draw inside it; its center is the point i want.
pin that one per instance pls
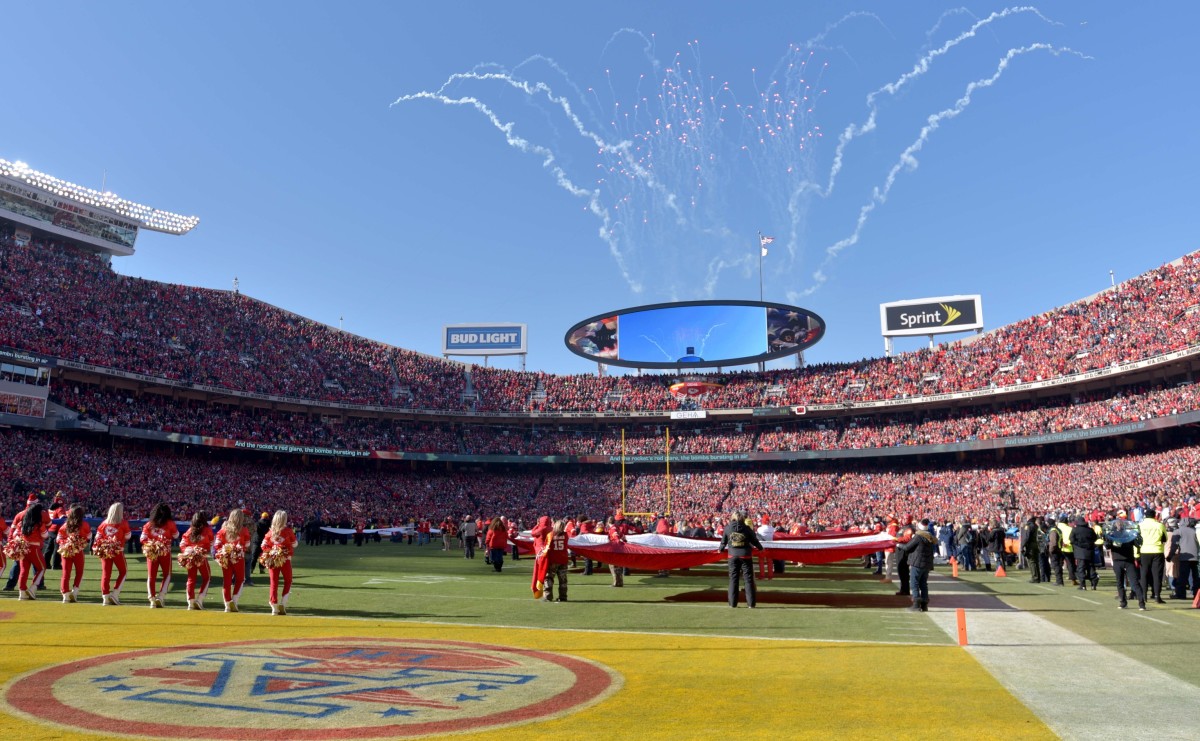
(390, 640)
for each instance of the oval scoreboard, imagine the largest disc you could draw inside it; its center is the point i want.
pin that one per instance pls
(695, 334)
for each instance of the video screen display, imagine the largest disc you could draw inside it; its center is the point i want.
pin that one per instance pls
(707, 333)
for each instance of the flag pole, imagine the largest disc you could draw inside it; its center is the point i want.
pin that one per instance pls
(760, 257)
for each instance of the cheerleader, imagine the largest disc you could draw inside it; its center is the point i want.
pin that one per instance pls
(277, 548)
(157, 535)
(72, 542)
(109, 547)
(30, 526)
(194, 547)
(3, 559)
(230, 547)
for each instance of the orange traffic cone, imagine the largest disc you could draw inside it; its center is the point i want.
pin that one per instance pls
(954, 568)
(1196, 601)
(1000, 572)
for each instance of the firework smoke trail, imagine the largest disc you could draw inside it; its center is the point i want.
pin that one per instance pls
(654, 342)
(853, 131)
(704, 340)
(908, 160)
(667, 149)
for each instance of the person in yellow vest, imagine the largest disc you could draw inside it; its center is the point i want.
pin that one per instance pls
(1067, 550)
(1154, 535)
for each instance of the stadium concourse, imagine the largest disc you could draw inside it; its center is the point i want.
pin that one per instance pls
(208, 400)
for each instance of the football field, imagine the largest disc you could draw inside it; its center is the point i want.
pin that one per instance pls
(397, 641)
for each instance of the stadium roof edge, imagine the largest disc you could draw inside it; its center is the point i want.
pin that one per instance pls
(147, 217)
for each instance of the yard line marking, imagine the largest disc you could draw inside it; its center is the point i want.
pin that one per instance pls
(1147, 617)
(1015, 646)
(1085, 599)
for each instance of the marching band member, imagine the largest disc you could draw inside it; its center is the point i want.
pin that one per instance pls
(157, 535)
(194, 547)
(109, 547)
(277, 548)
(230, 546)
(72, 542)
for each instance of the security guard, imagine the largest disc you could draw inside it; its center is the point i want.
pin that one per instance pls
(1066, 550)
(1154, 535)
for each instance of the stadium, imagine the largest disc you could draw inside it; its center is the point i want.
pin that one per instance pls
(123, 389)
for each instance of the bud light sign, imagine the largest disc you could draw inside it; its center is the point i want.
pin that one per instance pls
(484, 339)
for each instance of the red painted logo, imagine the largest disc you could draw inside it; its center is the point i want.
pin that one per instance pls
(310, 689)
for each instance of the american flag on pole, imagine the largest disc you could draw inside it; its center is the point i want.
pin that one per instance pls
(356, 507)
(763, 242)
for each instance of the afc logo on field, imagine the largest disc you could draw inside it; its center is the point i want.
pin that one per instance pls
(311, 689)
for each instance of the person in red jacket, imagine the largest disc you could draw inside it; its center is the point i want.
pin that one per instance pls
(30, 527)
(58, 511)
(550, 542)
(157, 535)
(496, 542)
(617, 530)
(279, 544)
(231, 541)
(194, 547)
(72, 541)
(109, 547)
(513, 531)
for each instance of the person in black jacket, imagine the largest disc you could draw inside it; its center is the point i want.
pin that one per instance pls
(740, 539)
(1083, 540)
(1123, 542)
(1029, 548)
(919, 552)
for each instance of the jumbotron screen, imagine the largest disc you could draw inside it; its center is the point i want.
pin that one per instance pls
(695, 334)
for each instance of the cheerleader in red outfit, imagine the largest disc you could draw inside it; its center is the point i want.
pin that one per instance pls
(277, 548)
(30, 530)
(194, 547)
(157, 535)
(72, 542)
(109, 547)
(230, 548)
(3, 530)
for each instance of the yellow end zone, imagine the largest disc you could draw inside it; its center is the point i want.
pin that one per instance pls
(670, 687)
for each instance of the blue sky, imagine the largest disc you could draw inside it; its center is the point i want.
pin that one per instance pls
(1026, 158)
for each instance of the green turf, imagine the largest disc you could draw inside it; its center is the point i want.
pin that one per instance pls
(403, 582)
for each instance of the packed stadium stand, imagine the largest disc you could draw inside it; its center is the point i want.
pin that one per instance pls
(207, 398)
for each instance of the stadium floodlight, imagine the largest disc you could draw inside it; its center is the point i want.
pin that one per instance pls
(150, 218)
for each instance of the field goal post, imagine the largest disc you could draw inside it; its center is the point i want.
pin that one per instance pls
(667, 458)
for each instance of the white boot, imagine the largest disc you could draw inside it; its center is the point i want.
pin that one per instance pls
(67, 598)
(283, 603)
(75, 594)
(200, 599)
(26, 595)
(192, 605)
(106, 600)
(152, 601)
(230, 606)
(276, 609)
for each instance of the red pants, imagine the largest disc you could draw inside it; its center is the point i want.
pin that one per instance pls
(68, 564)
(232, 578)
(205, 574)
(286, 572)
(156, 587)
(106, 567)
(32, 562)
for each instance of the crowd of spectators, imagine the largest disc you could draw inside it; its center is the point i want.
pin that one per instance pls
(825, 494)
(930, 427)
(68, 303)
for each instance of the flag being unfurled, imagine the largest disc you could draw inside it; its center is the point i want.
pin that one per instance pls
(356, 507)
(763, 242)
